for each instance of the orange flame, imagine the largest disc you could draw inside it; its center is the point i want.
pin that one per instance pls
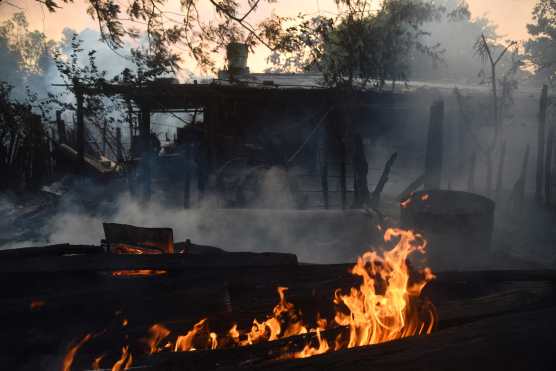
(378, 315)
(425, 197)
(37, 304)
(386, 306)
(125, 360)
(158, 333)
(138, 272)
(96, 363)
(70, 355)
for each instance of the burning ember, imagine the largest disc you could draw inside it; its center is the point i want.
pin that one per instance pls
(387, 305)
(138, 272)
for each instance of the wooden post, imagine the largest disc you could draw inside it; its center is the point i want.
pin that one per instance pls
(187, 176)
(104, 128)
(130, 122)
(343, 180)
(518, 192)
(471, 178)
(434, 151)
(375, 199)
(489, 166)
(324, 166)
(37, 159)
(119, 155)
(61, 126)
(540, 144)
(500, 175)
(548, 164)
(80, 132)
(145, 133)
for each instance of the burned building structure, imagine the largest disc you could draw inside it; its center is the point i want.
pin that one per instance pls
(329, 147)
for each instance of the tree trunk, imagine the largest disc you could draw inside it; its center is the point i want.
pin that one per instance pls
(540, 144)
(548, 164)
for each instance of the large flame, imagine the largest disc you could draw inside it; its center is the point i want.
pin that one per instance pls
(386, 306)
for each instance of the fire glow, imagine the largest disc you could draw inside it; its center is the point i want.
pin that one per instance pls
(386, 306)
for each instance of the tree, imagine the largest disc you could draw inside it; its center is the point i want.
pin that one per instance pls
(170, 33)
(362, 44)
(25, 55)
(542, 46)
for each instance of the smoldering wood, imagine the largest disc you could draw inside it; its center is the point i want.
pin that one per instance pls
(541, 140)
(548, 174)
(169, 262)
(50, 250)
(434, 149)
(513, 298)
(375, 198)
(412, 187)
(500, 174)
(161, 239)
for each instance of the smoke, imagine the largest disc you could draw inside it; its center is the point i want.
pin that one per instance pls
(316, 236)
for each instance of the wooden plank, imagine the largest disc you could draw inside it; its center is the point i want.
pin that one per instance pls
(111, 262)
(50, 250)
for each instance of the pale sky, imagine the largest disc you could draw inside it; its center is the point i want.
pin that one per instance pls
(511, 16)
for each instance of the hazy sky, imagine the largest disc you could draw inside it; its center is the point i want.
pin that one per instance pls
(511, 16)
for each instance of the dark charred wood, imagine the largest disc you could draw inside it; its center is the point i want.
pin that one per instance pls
(50, 250)
(112, 262)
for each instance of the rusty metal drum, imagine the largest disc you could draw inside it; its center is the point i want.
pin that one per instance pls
(457, 225)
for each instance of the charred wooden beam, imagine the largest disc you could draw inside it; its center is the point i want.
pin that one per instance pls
(375, 198)
(112, 262)
(50, 250)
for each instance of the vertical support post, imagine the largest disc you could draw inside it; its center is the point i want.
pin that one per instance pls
(548, 164)
(80, 132)
(130, 122)
(37, 164)
(120, 155)
(324, 166)
(212, 117)
(434, 150)
(187, 176)
(518, 192)
(343, 180)
(61, 127)
(145, 133)
(500, 175)
(104, 128)
(540, 144)
(471, 178)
